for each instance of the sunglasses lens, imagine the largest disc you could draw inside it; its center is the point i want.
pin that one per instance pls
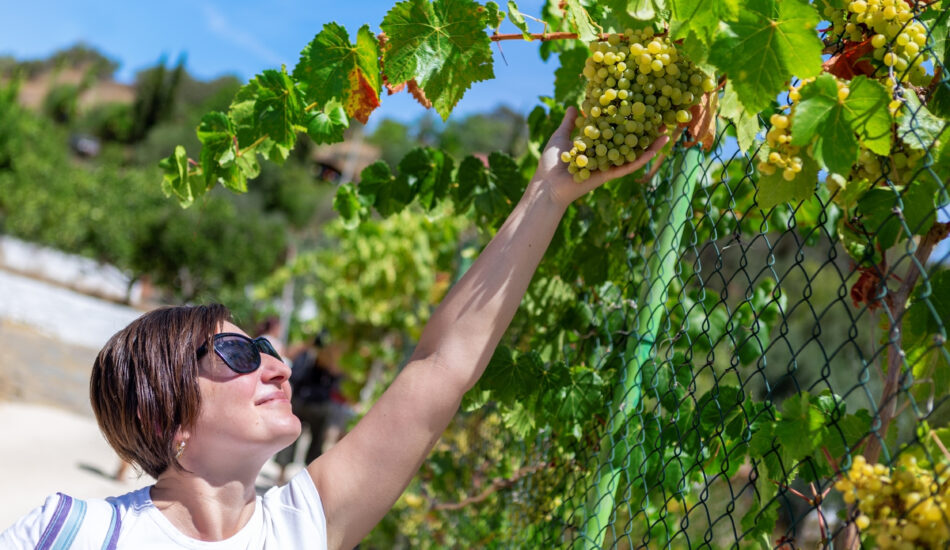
(264, 345)
(239, 353)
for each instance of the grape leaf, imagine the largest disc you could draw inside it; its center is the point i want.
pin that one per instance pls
(328, 124)
(835, 123)
(176, 180)
(866, 111)
(580, 21)
(507, 178)
(510, 377)
(471, 177)
(330, 67)
(918, 127)
(428, 173)
(568, 84)
(878, 207)
(218, 152)
(801, 428)
(493, 15)
(347, 203)
(777, 39)
(518, 20)
(702, 17)
(920, 321)
(439, 44)
(277, 106)
(746, 123)
(773, 190)
(580, 396)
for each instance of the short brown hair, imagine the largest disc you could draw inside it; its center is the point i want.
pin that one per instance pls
(144, 383)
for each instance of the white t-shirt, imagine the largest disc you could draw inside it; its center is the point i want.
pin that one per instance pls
(285, 517)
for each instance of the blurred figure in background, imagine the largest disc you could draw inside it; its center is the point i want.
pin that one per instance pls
(316, 400)
(271, 328)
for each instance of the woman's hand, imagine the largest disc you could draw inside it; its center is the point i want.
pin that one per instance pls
(552, 172)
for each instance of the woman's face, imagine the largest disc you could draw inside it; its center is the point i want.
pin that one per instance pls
(242, 415)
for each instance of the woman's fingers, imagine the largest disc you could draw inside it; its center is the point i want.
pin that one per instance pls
(562, 136)
(598, 178)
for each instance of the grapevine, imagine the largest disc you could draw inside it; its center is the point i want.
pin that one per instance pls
(620, 347)
(638, 84)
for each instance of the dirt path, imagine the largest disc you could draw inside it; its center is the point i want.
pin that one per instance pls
(37, 368)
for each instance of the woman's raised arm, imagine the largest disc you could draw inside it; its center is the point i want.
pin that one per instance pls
(361, 477)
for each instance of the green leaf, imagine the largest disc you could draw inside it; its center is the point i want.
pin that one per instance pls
(518, 20)
(218, 152)
(493, 15)
(472, 176)
(746, 123)
(509, 378)
(428, 174)
(921, 321)
(507, 177)
(717, 406)
(328, 125)
(581, 397)
(777, 40)
(877, 209)
(176, 180)
(858, 245)
(918, 127)
(702, 16)
(439, 44)
(347, 203)
(773, 190)
(833, 123)
(278, 106)
(379, 187)
(846, 432)
(569, 87)
(330, 67)
(937, 21)
(801, 428)
(581, 22)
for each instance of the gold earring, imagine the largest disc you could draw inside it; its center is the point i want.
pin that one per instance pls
(180, 450)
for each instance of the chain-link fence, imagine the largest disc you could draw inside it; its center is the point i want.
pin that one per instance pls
(759, 363)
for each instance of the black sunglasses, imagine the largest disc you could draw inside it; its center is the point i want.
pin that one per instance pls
(240, 353)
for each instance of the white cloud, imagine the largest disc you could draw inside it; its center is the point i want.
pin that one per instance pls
(222, 28)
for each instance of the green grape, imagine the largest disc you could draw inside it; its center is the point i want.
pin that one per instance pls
(636, 84)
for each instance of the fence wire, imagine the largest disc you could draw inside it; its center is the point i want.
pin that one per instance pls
(765, 325)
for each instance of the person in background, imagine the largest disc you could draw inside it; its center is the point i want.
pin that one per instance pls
(314, 380)
(271, 329)
(188, 397)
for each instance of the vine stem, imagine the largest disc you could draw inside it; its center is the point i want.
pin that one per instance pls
(546, 36)
(895, 354)
(661, 268)
(496, 485)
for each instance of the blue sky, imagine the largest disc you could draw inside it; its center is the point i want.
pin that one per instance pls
(243, 37)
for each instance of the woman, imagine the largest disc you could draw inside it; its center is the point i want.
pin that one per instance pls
(186, 395)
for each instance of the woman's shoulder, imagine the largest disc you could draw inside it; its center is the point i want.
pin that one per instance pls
(295, 511)
(63, 521)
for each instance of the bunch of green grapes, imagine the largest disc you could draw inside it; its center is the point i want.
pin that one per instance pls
(781, 154)
(636, 84)
(897, 37)
(907, 507)
(900, 169)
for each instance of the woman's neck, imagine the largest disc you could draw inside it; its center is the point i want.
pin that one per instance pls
(204, 508)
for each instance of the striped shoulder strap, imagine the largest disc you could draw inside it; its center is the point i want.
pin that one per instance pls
(63, 527)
